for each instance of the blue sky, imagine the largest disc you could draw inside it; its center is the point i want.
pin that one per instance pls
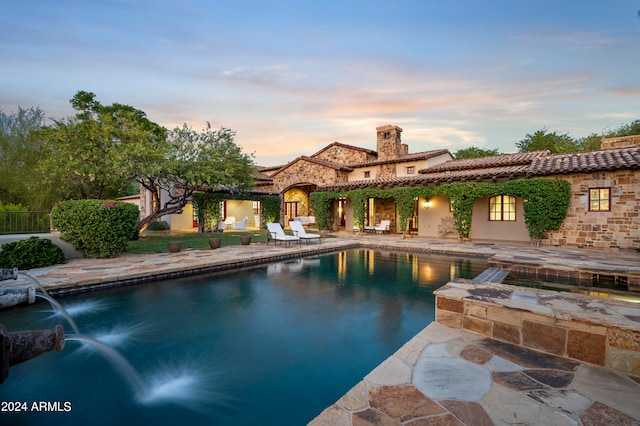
(290, 77)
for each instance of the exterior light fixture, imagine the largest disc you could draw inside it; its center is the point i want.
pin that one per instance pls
(426, 204)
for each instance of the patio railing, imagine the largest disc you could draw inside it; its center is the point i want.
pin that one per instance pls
(14, 222)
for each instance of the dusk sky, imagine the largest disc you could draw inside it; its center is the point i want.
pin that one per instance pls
(291, 77)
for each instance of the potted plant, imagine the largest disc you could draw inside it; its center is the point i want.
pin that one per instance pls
(175, 246)
(215, 243)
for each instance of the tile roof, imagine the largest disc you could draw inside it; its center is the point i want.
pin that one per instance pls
(270, 168)
(356, 148)
(324, 163)
(608, 159)
(520, 158)
(434, 178)
(408, 157)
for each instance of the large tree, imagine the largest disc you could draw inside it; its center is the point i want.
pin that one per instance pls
(87, 155)
(97, 153)
(474, 152)
(20, 152)
(543, 139)
(194, 161)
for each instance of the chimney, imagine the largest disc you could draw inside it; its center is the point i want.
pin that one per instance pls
(389, 142)
(620, 142)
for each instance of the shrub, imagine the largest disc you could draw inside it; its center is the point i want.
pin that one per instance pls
(158, 226)
(98, 228)
(32, 253)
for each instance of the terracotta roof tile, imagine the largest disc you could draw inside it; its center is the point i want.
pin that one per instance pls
(438, 177)
(520, 158)
(609, 159)
(324, 163)
(356, 148)
(409, 157)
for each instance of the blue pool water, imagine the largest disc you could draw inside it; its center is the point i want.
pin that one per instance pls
(270, 345)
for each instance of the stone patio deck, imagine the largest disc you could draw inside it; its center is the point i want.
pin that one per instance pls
(480, 364)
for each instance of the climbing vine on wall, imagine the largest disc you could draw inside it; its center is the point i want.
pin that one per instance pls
(546, 202)
(463, 195)
(405, 202)
(208, 210)
(322, 206)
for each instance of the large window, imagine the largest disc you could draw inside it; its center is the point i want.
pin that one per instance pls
(599, 199)
(502, 208)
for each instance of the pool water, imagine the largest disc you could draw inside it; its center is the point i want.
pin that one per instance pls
(269, 345)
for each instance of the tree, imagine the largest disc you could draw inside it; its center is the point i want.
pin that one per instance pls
(593, 141)
(195, 161)
(89, 155)
(101, 150)
(474, 152)
(630, 129)
(545, 140)
(20, 152)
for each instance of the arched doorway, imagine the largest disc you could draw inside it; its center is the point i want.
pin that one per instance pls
(296, 201)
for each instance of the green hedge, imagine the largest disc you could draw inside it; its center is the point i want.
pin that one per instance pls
(98, 228)
(31, 253)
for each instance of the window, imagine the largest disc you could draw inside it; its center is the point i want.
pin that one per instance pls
(411, 170)
(599, 200)
(255, 205)
(369, 218)
(502, 208)
(291, 209)
(386, 135)
(367, 174)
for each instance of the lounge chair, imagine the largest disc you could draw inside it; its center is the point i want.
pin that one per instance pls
(229, 222)
(383, 226)
(276, 233)
(299, 231)
(242, 224)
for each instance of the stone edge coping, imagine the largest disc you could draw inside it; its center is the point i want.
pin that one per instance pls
(576, 307)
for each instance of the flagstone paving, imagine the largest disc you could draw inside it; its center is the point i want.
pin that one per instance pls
(443, 376)
(447, 376)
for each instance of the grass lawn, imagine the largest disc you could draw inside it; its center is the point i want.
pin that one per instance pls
(156, 242)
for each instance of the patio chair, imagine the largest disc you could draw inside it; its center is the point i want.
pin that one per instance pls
(242, 224)
(299, 231)
(276, 233)
(383, 226)
(229, 222)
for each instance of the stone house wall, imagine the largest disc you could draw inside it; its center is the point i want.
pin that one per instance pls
(386, 171)
(307, 172)
(385, 209)
(620, 142)
(617, 228)
(341, 154)
(389, 143)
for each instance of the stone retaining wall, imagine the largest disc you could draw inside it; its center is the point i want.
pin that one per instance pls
(605, 333)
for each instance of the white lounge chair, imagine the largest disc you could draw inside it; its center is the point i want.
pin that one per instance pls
(276, 233)
(299, 231)
(383, 226)
(242, 224)
(229, 222)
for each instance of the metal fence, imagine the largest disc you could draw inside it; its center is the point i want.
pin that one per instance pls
(24, 222)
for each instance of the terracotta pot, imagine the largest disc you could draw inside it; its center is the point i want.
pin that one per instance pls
(175, 246)
(245, 240)
(215, 243)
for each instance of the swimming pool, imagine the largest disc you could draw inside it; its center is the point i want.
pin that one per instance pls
(273, 344)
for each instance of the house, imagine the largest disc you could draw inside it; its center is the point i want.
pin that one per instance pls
(604, 208)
